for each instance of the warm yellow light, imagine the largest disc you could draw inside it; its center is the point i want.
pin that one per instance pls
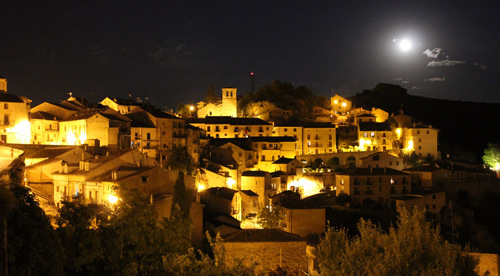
(306, 186)
(343, 104)
(22, 132)
(363, 142)
(398, 132)
(335, 101)
(410, 145)
(191, 108)
(112, 199)
(201, 187)
(230, 182)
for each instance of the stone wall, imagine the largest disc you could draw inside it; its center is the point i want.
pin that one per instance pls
(268, 255)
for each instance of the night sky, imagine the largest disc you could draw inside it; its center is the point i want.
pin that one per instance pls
(168, 52)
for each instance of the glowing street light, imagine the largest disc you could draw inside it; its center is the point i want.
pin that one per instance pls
(112, 199)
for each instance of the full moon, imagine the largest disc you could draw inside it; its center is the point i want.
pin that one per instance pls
(405, 45)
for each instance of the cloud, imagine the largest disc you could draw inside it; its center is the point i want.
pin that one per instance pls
(169, 53)
(482, 66)
(437, 79)
(419, 88)
(434, 53)
(446, 62)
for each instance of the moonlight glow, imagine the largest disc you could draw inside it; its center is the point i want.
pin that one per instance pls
(405, 45)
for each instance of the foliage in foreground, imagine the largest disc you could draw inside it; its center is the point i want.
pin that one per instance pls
(412, 247)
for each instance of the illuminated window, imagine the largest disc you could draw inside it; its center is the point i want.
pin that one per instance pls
(372, 134)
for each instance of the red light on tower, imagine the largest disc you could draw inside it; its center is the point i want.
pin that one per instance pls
(251, 76)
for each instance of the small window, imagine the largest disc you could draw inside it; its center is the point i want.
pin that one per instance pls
(5, 106)
(144, 179)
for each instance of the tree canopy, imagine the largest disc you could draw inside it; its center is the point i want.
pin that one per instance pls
(284, 95)
(491, 156)
(412, 247)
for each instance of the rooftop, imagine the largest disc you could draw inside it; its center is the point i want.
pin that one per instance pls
(262, 235)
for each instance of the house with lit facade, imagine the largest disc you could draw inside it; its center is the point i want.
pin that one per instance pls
(340, 104)
(143, 133)
(95, 179)
(267, 111)
(271, 148)
(383, 159)
(226, 107)
(44, 128)
(170, 129)
(230, 127)
(122, 106)
(378, 184)
(312, 137)
(303, 218)
(373, 136)
(258, 182)
(426, 201)
(416, 137)
(14, 116)
(104, 127)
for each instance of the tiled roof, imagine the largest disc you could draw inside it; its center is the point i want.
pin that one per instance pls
(373, 126)
(262, 235)
(49, 152)
(306, 124)
(283, 160)
(272, 139)
(221, 192)
(254, 173)
(10, 98)
(140, 119)
(249, 192)
(372, 171)
(424, 168)
(277, 173)
(156, 112)
(42, 115)
(227, 120)
(124, 101)
(243, 143)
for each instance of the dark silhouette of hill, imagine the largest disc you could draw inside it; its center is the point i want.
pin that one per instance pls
(467, 126)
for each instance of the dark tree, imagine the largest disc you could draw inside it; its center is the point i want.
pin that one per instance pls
(180, 159)
(210, 96)
(29, 243)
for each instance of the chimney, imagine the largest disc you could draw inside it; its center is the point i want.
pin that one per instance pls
(3, 84)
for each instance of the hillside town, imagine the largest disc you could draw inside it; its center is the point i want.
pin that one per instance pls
(240, 165)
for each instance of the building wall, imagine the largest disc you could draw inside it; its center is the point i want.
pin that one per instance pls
(14, 122)
(291, 131)
(382, 187)
(319, 140)
(384, 160)
(44, 132)
(304, 221)
(268, 255)
(425, 141)
(431, 203)
(340, 104)
(376, 140)
(258, 185)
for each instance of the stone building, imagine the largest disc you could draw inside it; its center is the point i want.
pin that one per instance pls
(269, 248)
(226, 107)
